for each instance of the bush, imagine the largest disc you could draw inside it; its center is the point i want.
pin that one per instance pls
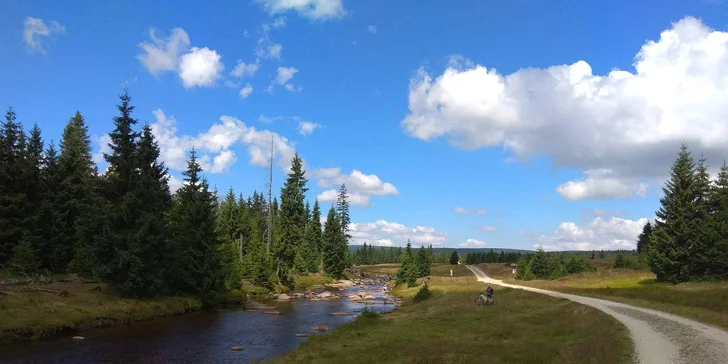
(423, 294)
(367, 313)
(627, 262)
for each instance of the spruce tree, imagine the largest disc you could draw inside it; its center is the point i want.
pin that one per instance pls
(643, 240)
(702, 223)
(342, 208)
(78, 200)
(311, 248)
(13, 201)
(34, 190)
(51, 213)
(334, 246)
(408, 269)
(717, 264)
(292, 219)
(454, 257)
(197, 250)
(674, 233)
(423, 262)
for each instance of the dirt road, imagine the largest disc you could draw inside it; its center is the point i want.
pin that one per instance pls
(659, 337)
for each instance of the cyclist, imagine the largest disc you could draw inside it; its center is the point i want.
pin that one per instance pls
(489, 292)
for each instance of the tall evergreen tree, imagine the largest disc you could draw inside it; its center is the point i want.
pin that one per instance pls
(342, 208)
(334, 246)
(292, 219)
(717, 265)
(674, 233)
(423, 262)
(643, 240)
(13, 201)
(51, 213)
(454, 257)
(77, 199)
(702, 224)
(197, 249)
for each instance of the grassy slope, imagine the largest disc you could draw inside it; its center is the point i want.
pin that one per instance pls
(449, 328)
(34, 315)
(705, 302)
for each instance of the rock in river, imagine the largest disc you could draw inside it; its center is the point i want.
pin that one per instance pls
(236, 348)
(320, 328)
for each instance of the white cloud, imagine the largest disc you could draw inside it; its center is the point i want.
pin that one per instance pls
(162, 54)
(174, 183)
(285, 74)
(271, 51)
(372, 29)
(35, 29)
(279, 22)
(463, 211)
(472, 243)
(622, 129)
(307, 127)
(360, 187)
(607, 234)
(243, 69)
(200, 67)
(311, 9)
(265, 119)
(600, 185)
(488, 228)
(385, 233)
(246, 91)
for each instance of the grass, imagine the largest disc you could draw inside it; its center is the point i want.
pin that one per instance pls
(448, 328)
(37, 315)
(701, 301)
(304, 283)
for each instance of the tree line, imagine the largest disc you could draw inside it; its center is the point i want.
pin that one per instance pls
(369, 255)
(493, 257)
(689, 239)
(123, 226)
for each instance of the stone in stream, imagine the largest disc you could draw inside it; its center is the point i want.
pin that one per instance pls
(272, 312)
(326, 294)
(78, 338)
(342, 314)
(320, 328)
(236, 348)
(283, 297)
(303, 335)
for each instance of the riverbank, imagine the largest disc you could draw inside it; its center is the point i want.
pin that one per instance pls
(701, 301)
(449, 328)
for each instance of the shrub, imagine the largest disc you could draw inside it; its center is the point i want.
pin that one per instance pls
(367, 313)
(423, 294)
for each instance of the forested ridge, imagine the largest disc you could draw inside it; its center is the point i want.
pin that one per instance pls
(59, 214)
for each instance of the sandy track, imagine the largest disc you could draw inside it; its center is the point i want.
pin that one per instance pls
(659, 337)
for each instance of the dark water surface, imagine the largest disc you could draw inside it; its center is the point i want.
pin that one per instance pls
(202, 337)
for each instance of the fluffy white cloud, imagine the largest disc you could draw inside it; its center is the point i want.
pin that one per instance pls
(200, 67)
(162, 54)
(246, 91)
(463, 211)
(279, 22)
(174, 183)
(311, 9)
(307, 127)
(243, 69)
(360, 187)
(372, 29)
(35, 29)
(285, 74)
(386, 233)
(472, 243)
(270, 51)
(622, 129)
(488, 228)
(607, 234)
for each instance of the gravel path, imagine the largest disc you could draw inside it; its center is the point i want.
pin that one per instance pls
(659, 337)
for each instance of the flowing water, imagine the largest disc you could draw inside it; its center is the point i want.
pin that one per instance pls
(201, 337)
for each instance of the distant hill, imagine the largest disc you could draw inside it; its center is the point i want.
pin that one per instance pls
(353, 248)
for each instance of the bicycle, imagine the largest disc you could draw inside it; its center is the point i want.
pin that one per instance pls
(488, 301)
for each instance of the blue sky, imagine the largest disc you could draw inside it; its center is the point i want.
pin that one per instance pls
(452, 123)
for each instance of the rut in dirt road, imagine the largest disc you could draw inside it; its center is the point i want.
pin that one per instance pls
(659, 337)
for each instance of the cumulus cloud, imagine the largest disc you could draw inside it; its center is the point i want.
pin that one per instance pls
(463, 211)
(622, 129)
(198, 67)
(246, 91)
(472, 243)
(279, 22)
(270, 51)
(360, 187)
(488, 228)
(35, 30)
(307, 127)
(372, 29)
(311, 9)
(174, 183)
(607, 234)
(386, 233)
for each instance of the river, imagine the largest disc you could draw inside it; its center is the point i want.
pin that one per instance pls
(201, 337)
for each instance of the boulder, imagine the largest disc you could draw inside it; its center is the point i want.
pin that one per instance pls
(342, 314)
(369, 297)
(326, 294)
(236, 348)
(303, 335)
(320, 328)
(272, 312)
(78, 338)
(283, 297)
